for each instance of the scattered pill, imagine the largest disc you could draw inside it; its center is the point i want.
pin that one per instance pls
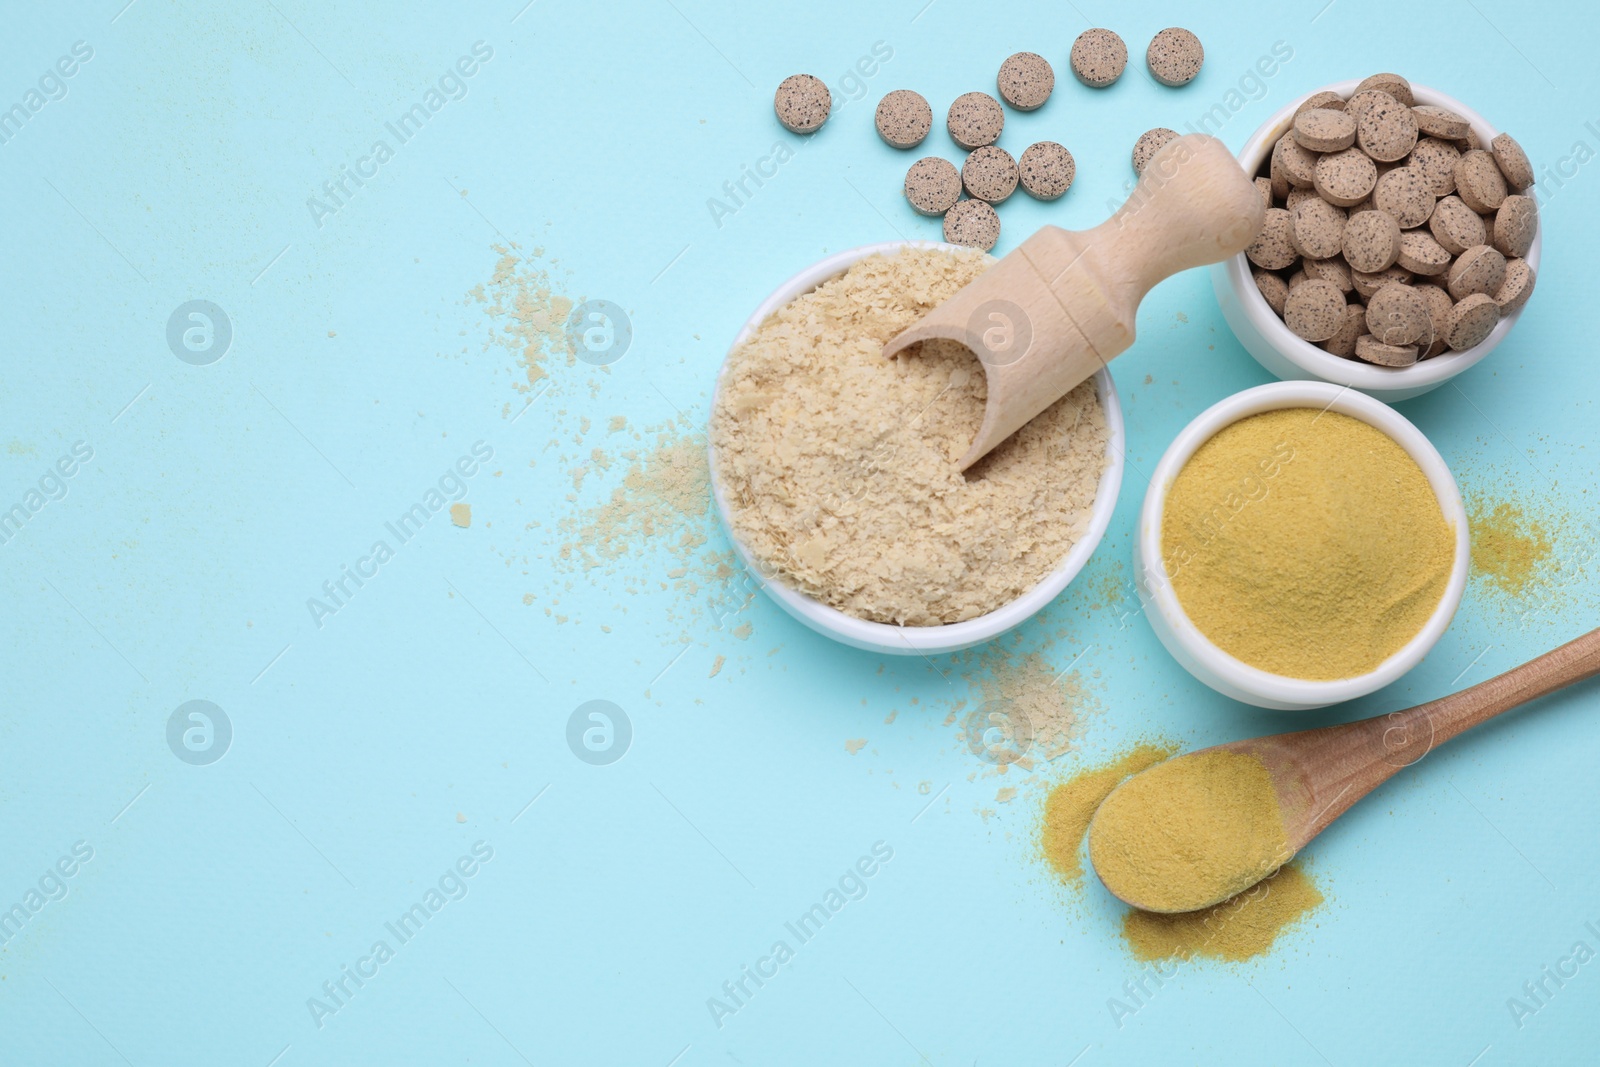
(1513, 161)
(1479, 183)
(1148, 144)
(1046, 170)
(1398, 315)
(973, 223)
(1174, 56)
(1098, 58)
(1314, 310)
(933, 185)
(1026, 81)
(975, 120)
(903, 118)
(989, 174)
(1471, 320)
(802, 103)
(1324, 130)
(1371, 241)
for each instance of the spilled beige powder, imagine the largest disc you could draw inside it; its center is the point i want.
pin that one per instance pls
(530, 315)
(840, 465)
(1028, 712)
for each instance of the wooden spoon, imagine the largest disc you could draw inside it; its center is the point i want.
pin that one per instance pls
(1062, 304)
(1319, 774)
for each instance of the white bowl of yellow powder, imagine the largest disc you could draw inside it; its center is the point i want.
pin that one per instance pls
(835, 470)
(1301, 544)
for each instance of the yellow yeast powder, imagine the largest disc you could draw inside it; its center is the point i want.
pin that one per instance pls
(1507, 546)
(1305, 543)
(1237, 929)
(1189, 832)
(1070, 806)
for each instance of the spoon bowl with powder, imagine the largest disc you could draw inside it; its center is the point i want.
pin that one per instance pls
(1200, 828)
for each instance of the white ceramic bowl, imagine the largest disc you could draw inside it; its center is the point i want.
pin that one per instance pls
(1264, 334)
(1216, 668)
(924, 640)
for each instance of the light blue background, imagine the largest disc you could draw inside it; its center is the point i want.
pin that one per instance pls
(220, 898)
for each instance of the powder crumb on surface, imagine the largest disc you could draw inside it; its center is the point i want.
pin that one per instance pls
(840, 465)
(1027, 711)
(743, 630)
(1508, 546)
(530, 317)
(1071, 805)
(461, 816)
(1240, 928)
(616, 423)
(527, 598)
(855, 745)
(1006, 794)
(716, 666)
(461, 515)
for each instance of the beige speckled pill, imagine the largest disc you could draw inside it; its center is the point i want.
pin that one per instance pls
(1405, 193)
(933, 185)
(1392, 84)
(1471, 142)
(1274, 290)
(972, 223)
(1479, 183)
(1437, 160)
(1421, 254)
(1264, 187)
(1346, 178)
(1026, 81)
(1372, 350)
(989, 173)
(1471, 321)
(1331, 101)
(1098, 58)
(1314, 310)
(1439, 305)
(1352, 325)
(1334, 270)
(974, 120)
(1517, 287)
(1360, 101)
(1456, 226)
(1149, 143)
(1316, 228)
(1272, 248)
(1368, 284)
(1386, 130)
(1174, 56)
(1296, 163)
(1297, 279)
(1398, 315)
(1324, 130)
(1480, 269)
(802, 103)
(1437, 121)
(1512, 160)
(1514, 226)
(1047, 170)
(903, 119)
(1371, 241)
(1298, 196)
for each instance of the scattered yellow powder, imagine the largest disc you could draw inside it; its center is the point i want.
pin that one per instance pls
(1070, 805)
(1190, 832)
(1308, 544)
(1507, 546)
(716, 666)
(855, 745)
(461, 515)
(1240, 928)
(840, 465)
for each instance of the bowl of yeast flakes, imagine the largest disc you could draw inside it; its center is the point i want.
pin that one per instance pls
(834, 469)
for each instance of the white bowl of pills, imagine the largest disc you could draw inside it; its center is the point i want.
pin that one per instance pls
(1301, 544)
(833, 469)
(1400, 302)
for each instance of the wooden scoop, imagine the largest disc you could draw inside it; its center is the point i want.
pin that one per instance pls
(1319, 774)
(1062, 304)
